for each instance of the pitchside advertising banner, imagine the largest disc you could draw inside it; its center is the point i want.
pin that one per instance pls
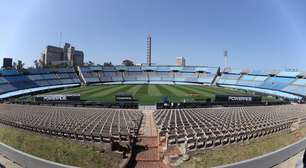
(235, 98)
(58, 97)
(124, 97)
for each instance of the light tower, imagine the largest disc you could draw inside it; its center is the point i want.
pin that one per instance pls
(149, 39)
(225, 59)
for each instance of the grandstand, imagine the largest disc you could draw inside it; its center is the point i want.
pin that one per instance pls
(210, 127)
(14, 83)
(286, 84)
(280, 83)
(189, 128)
(152, 74)
(95, 124)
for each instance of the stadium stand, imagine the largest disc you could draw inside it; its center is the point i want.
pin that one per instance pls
(13, 83)
(276, 83)
(288, 84)
(154, 74)
(251, 80)
(288, 73)
(210, 127)
(266, 91)
(196, 128)
(94, 124)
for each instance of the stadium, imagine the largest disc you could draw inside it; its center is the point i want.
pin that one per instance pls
(153, 116)
(152, 84)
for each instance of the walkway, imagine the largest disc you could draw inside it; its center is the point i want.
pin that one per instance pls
(8, 163)
(292, 162)
(148, 152)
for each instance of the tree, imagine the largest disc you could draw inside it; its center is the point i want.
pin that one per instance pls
(37, 64)
(19, 65)
(127, 62)
(108, 64)
(40, 63)
(89, 63)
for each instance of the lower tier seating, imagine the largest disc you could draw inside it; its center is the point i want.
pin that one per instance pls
(81, 123)
(209, 127)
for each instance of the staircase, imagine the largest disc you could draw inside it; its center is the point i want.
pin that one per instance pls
(148, 151)
(82, 79)
(216, 79)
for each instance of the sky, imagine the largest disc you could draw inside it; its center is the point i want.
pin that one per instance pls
(258, 34)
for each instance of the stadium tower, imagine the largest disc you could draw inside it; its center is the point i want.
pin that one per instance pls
(149, 49)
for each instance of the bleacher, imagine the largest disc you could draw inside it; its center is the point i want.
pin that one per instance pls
(153, 74)
(279, 83)
(231, 79)
(93, 124)
(211, 127)
(297, 87)
(251, 80)
(14, 83)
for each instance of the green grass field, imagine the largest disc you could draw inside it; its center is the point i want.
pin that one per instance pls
(149, 94)
(238, 152)
(58, 150)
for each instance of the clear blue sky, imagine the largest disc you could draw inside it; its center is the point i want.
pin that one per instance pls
(264, 34)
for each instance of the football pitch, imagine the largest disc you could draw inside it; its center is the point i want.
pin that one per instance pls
(149, 94)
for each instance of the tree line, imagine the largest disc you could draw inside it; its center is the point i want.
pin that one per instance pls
(19, 65)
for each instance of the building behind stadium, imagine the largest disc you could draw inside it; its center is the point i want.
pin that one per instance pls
(67, 55)
(180, 61)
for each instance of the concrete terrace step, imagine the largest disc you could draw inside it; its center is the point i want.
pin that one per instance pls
(151, 154)
(149, 157)
(154, 164)
(148, 141)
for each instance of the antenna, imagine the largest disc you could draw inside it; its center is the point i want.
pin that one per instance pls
(60, 40)
(225, 59)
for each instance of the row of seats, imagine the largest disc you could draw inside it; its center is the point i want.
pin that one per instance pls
(210, 127)
(116, 76)
(281, 73)
(96, 124)
(168, 68)
(16, 82)
(286, 84)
